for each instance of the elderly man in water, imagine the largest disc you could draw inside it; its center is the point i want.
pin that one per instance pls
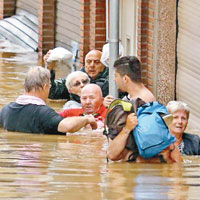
(92, 104)
(75, 81)
(30, 113)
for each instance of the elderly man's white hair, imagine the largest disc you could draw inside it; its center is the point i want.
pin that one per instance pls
(73, 75)
(174, 106)
(36, 78)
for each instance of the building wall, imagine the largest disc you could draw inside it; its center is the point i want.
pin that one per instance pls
(93, 26)
(165, 51)
(156, 35)
(30, 6)
(156, 46)
(145, 39)
(67, 23)
(46, 26)
(188, 62)
(7, 8)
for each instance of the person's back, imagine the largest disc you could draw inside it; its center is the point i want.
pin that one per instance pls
(29, 118)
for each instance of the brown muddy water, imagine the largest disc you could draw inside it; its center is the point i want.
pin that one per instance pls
(46, 167)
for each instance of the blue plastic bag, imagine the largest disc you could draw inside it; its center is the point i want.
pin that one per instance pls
(151, 134)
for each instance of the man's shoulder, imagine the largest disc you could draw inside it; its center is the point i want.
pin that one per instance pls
(15, 107)
(102, 111)
(9, 106)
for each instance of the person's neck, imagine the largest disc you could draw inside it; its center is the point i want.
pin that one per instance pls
(35, 94)
(178, 140)
(178, 137)
(134, 89)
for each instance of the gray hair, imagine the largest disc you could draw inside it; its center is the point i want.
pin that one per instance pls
(174, 106)
(73, 75)
(36, 78)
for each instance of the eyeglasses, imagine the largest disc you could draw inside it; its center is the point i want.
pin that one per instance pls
(78, 83)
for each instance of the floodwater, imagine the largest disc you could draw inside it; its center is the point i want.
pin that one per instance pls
(47, 167)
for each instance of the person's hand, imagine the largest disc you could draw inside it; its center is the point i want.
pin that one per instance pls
(107, 100)
(131, 121)
(90, 120)
(45, 58)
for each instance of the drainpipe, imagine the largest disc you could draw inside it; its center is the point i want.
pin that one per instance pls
(113, 44)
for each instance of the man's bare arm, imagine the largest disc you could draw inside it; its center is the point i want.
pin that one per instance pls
(73, 124)
(116, 148)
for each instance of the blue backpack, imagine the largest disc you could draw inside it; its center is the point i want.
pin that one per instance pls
(151, 134)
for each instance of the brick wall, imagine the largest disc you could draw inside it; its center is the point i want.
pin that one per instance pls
(145, 40)
(98, 24)
(93, 26)
(7, 8)
(84, 30)
(46, 26)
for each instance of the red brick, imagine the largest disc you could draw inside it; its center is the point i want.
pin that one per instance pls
(150, 61)
(7, 8)
(150, 82)
(150, 75)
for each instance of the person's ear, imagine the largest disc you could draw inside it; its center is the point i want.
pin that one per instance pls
(45, 86)
(126, 78)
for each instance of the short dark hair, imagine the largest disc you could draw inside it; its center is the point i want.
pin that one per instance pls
(130, 66)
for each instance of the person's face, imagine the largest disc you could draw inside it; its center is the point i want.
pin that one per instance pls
(77, 84)
(91, 101)
(179, 122)
(119, 81)
(93, 65)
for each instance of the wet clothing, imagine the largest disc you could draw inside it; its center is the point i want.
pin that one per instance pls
(29, 118)
(59, 90)
(79, 112)
(191, 144)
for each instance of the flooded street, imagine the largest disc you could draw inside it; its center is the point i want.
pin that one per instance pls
(47, 167)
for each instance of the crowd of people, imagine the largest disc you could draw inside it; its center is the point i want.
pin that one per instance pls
(87, 99)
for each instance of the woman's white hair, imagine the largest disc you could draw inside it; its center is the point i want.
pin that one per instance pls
(73, 75)
(36, 78)
(174, 106)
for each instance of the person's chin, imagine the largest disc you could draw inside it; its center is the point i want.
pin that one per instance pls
(179, 130)
(92, 74)
(88, 111)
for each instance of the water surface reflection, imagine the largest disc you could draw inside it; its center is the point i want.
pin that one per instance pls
(35, 166)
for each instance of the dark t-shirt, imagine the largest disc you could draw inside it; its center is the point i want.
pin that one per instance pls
(29, 118)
